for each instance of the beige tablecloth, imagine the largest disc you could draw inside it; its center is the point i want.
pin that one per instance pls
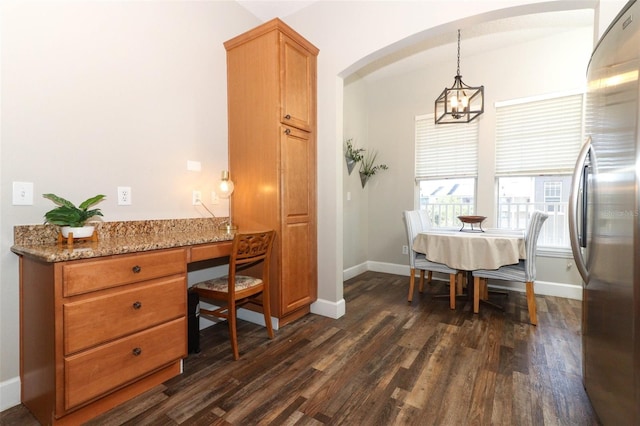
(469, 251)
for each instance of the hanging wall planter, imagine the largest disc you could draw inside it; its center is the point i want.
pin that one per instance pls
(368, 167)
(351, 163)
(352, 155)
(363, 178)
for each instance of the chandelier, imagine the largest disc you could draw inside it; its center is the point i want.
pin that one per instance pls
(459, 103)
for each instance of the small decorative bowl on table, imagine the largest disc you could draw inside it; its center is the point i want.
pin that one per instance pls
(472, 220)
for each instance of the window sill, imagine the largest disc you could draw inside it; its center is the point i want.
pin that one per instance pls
(560, 252)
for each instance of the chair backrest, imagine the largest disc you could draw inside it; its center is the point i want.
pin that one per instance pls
(251, 249)
(416, 221)
(531, 243)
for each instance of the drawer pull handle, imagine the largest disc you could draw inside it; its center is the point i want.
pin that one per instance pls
(137, 305)
(136, 351)
(136, 269)
(287, 117)
(287, 132)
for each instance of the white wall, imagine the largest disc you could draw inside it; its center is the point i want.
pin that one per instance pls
(354, 197)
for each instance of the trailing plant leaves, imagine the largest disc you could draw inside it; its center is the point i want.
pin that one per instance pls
(368, 167)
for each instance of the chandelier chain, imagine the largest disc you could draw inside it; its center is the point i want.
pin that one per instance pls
(458, 52)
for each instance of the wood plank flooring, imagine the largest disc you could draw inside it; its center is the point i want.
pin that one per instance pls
(384, 363)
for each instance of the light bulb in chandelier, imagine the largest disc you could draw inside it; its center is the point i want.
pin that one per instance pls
(459, 104)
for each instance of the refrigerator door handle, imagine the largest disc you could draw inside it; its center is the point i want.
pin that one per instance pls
(574, 199)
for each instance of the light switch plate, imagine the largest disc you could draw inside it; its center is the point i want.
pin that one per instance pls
(22, 193)
(194, 166)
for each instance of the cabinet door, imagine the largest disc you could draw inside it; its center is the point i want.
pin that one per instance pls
(298, 78)
(298, 285)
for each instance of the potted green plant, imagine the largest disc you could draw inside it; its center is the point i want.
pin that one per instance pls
(352, 155)
(368, 167)
(72, 219)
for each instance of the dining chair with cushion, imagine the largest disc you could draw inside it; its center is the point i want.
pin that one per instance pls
(417, 221)
(250, 254)
(524, 271)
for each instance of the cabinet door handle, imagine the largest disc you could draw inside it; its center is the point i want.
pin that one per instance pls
(136, 351)
(136, 269)
(137, 305)
(287, 117)
(287, 131)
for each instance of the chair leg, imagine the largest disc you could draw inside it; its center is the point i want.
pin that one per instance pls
(476, 295)
(412, 280)
(531, 304)
(421, 286)
(485, 288)
(452, 290)
(231, 319)
(460, 283)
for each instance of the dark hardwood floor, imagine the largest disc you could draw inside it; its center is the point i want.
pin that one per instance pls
(384, 363)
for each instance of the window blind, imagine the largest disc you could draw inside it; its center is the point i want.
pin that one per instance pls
(445, 150)
(538, 137)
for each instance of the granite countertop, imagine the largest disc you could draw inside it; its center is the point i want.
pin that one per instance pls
(41, 241)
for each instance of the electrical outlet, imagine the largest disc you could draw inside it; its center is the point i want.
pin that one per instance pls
(214, 198)
(196, 198)
(124, 195)
(405, 249)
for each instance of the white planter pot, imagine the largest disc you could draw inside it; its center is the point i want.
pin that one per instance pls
(78, 232)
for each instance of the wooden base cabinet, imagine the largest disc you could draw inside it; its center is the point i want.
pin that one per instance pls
(271, 74)
(96, 332)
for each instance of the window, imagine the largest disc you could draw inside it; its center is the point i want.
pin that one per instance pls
(537, 142)
(446, 199)
(446, 169)
(552, 194)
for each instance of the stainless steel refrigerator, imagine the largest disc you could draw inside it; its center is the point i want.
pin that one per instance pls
(604, 223)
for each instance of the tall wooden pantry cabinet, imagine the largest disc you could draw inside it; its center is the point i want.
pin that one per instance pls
(271, 78)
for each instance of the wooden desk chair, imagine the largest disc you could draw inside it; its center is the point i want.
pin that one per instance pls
(249, 250)
(524, 271)
(417, 221)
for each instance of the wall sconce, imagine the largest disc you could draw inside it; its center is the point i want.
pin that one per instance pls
(225, 189)
(459, 103)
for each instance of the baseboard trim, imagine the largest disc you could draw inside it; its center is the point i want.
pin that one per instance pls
(330, 309)
(546, 288)
(354, 271)
(9, 393)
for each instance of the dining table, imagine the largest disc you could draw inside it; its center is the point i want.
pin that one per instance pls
(472, 250)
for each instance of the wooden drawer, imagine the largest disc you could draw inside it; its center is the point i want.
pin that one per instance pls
(210, 251)
(90, 322)
(98, 371)
(81, 277)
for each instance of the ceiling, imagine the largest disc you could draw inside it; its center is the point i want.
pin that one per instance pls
(475, 40)
(266, 10)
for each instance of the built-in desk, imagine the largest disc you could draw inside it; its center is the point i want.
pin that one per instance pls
(104, 321)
